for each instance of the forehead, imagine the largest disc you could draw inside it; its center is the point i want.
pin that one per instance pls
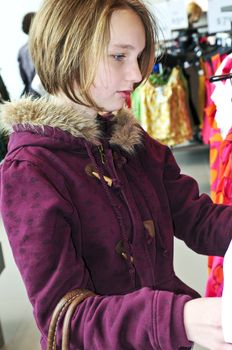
(127, 29)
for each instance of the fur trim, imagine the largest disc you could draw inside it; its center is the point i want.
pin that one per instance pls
(78, 122)
(127, 132)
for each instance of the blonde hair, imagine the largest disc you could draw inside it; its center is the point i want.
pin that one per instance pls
(69, 37)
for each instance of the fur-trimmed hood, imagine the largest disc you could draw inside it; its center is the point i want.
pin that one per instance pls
(43, 112)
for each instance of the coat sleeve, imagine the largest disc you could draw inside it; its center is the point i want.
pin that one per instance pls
(37, 214)
(204, 226)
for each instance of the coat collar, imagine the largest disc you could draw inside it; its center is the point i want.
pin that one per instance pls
(45, 111)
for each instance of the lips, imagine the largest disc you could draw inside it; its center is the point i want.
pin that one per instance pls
(125, 94)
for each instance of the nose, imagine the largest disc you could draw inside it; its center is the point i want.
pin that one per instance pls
(134, 73)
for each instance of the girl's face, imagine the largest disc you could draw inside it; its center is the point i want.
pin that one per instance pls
(119, 71)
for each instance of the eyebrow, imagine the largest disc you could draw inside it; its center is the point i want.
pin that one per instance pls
(124, 46)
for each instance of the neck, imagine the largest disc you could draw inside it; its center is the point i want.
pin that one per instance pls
(63, 99)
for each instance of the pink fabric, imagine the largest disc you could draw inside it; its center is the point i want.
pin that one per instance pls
(221, 188)
(215, 281)
(209, 128)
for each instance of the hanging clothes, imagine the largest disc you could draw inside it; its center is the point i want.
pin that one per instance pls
(201, 92)
(3, 144)
(4, 95)
(209, 126)
(193, 72)
(222, 162)
(162, 108)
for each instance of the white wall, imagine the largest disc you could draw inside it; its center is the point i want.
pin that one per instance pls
(11, 39)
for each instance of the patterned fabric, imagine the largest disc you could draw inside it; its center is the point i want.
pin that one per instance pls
(220, 174)
(209, 125)
(223, 195)
(224, 190)
(215, 144)
(163, 110)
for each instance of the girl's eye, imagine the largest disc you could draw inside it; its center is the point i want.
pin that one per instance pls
(119, 57)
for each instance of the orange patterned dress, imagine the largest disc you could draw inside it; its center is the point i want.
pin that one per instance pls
(221, 183)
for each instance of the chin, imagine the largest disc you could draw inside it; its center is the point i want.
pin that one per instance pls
(111, 105)
(114, 107)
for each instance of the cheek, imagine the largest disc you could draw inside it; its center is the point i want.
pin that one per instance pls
(99, 88)
(99, 91)
(105, 76)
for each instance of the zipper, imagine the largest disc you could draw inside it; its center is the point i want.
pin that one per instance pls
(102, 153)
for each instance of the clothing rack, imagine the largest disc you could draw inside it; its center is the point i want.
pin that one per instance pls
(215, 78)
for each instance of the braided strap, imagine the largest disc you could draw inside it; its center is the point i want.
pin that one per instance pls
(66, 305)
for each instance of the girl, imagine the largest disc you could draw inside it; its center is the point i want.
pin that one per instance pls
(91, 203)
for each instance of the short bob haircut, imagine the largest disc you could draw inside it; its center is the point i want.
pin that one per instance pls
(69, 37)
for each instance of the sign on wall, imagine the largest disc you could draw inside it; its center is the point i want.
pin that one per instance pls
(171, 15)
(219, 20)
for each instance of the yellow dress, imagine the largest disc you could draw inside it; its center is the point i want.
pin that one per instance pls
(164, 111)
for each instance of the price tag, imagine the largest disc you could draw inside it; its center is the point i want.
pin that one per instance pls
(218, 20)
(178, 13)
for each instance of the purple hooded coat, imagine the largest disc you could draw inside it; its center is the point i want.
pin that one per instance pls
(70, 227)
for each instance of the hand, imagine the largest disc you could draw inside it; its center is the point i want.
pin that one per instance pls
(203, 324)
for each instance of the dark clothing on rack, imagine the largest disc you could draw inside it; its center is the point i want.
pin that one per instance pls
(186, 39)
(191, 75)
(3, 144)
(4, 95)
